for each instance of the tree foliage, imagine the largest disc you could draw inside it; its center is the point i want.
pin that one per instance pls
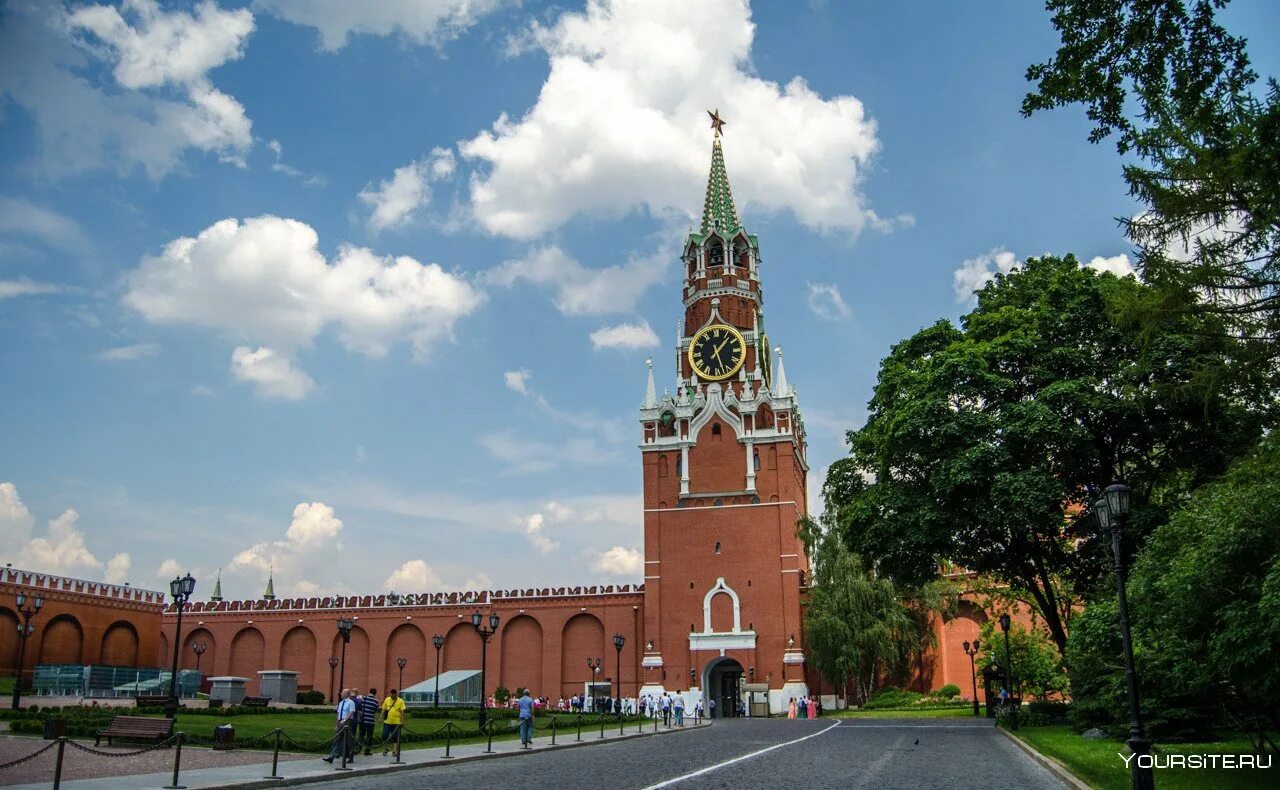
(860, 626)
(1036, 664)
(984, 441)
(1177, 91)
(1205, 600)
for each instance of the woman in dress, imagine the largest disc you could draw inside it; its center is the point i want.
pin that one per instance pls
(791, 708)
(813, 708)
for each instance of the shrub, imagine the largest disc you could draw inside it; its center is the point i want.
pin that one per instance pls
(890, 697)
(949, 691)
(311, 697)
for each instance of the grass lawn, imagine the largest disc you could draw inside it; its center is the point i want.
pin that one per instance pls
(6, 686)
(1097, 763)
(920, 712)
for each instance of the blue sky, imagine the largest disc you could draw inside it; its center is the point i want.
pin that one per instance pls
(287, 282)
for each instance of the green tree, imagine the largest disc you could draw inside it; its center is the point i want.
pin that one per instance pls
(1205, 600)
(984, 442)
(859, 626)
(1036, 663)
(1203, 144)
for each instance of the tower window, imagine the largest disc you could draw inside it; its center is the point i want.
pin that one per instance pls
(690, 587)
(755, 459)
(679, 466)
(717, 547)
(718, 502)
(715, 429)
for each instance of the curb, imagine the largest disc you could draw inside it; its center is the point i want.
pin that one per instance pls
(1048, 763)
(338, 776)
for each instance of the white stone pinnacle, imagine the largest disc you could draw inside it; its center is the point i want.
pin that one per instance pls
(650, 392)
(780, 389)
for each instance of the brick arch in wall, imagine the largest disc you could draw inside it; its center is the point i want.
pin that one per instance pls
(8, 639)
(356, 674)
(62, 641)
(407, 642)
(522, 655)
(461, 647)
(166, 652)
(582, 638)
(963, 626)
(248, 649)
(298, 654)
(188, 658)
(120, 645)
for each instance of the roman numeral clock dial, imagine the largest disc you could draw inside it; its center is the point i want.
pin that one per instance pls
(717, 352)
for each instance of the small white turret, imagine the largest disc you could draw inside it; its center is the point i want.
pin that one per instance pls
(650, 391)
(780, 388)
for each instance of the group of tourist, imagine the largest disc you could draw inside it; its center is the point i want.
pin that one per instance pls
(357, 715)
(805, 708)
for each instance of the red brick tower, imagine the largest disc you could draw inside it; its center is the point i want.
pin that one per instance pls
(724, 483)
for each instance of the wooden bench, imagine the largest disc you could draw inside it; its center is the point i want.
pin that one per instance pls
(152, 700)
(140, 728)
(255, 702)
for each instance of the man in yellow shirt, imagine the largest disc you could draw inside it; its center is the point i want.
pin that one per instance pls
(392, 718)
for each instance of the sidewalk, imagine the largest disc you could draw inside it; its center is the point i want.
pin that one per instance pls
(307, 771)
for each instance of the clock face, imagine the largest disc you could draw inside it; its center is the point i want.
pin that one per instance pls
(717, 352)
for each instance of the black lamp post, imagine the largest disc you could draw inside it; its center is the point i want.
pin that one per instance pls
(25, 629)
(1008, 670)
(591, 680)
(1113, 511)
(180, 588)
(401, 662)
(333, 664)
(973, 672)
(198, 648)
(477, 622)
(618, 641)
(345, 624)
(438, 641)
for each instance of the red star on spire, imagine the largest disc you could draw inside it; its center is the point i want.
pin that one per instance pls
(716, 122)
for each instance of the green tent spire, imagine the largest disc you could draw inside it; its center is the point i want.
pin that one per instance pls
(718, 212)
(217, 588)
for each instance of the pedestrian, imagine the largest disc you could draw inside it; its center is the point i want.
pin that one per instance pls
(367, 712)
(525, 704)
(813, 708)
(346, 711)
(392, 718)
(666, 710)
(679, 705)
(803, 708)
(711, 708)
(791, 708)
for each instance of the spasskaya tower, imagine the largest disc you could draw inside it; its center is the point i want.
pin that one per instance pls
(724, 483)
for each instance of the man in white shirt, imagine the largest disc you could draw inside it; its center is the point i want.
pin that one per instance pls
(346, 712)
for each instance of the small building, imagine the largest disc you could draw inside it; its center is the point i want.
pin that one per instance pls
(458, 687)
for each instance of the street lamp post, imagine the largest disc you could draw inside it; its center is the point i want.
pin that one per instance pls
(438, 641)
(477, 622)
(972, 651)
(1008, 670)
(25, 629)
(333, 664)
(591, 680)
(198, 648)
(618, 641)
(1113, 511)
(345, 624)
(180, 588)
(401, 662)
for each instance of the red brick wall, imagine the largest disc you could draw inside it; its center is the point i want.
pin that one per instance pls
(522, 655)
(298, 654)
(408, 642)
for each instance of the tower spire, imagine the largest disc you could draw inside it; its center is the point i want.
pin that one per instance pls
(718, 211)
(217, 588)
(780, 388)
(270, 593)
(650, 391)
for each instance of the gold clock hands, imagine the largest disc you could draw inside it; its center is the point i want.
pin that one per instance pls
(720, 347)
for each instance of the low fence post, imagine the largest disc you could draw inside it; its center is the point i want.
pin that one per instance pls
(601, 725)
(448, 740)
(488, 749)
(57, 766)
(345, 738)
(579, 726)
(275, 757)
(397, 760)
(177, 765)
(553, 730)
(622, 722)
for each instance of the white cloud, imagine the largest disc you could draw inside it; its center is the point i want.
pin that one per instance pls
(265, 280)
(826, 302)
(159, 101)
(117, 571)
(25, 287)
(639, 335)
(129, 353)
(314, 525)
(578, 289)
(412, 577)
(517, 380)
(1119, 265)
(22, 217)
(361, 455)
(625, 103)
(425, 21)
(272, 375)
(519, 455)
(619, 561)
(978, 271)
(15, 520)
(537, 538)
(396, 200)
(169, 569)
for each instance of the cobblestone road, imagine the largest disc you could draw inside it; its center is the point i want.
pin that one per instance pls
(852, 754)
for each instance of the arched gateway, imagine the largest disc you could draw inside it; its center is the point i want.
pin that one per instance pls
(722, 680)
